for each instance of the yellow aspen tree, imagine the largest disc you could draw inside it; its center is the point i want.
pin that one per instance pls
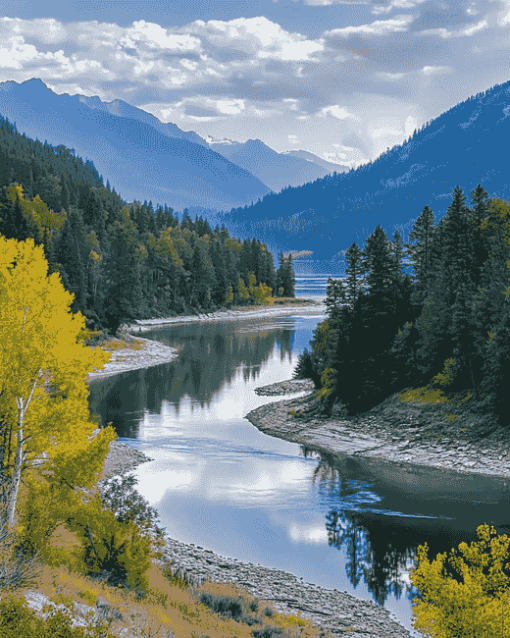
(44, 415)
(465, 593)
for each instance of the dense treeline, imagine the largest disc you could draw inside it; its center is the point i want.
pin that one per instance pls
(125, 261)
(447, 327)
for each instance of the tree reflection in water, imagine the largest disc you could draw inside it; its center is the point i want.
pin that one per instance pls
(210, 357)
(380, 546)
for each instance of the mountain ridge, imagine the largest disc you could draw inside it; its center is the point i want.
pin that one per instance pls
(135, 156)
(461, 146)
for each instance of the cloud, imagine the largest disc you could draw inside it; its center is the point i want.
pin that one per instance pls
(338, 112)
(456, 33)
(258, 37)
(252, 78)
(398, 24)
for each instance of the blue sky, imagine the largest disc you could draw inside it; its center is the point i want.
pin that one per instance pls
(344, 79)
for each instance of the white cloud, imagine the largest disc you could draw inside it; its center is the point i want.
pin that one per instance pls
(154, 36)
(257, 36)
(230, 107)
(399, 24)
(389, 77)
(293, 139)
(338, 112)
(429, 70)
(456, 33)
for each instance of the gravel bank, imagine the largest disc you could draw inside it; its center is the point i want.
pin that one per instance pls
(410, 433)
(270, 311)
(153, 353)
(336, 611)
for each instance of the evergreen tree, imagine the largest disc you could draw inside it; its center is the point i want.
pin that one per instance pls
(378, 264)
(286, 278)
(477, 215)
(421, 253)
(186, 222)
(13, 224)
(94, 217)
(70, 258)
(122, 271)
(496, 369)
(353, 271)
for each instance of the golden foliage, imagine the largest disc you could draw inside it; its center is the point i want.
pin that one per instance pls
(466, 594)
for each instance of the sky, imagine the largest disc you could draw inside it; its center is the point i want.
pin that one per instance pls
(344, 79)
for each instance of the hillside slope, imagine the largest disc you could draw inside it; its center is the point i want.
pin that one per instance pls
(462, 146)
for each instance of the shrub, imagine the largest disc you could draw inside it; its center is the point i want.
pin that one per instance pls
(267, 631)
(17, 620)
(224, 605)
(17, 570)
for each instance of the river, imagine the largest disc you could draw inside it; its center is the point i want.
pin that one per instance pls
(218, 482)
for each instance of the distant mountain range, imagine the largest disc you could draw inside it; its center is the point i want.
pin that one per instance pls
(464, 146)
(276, 170)
(140, 156)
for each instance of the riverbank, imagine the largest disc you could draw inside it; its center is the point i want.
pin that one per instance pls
(335, 611)
(405, 433)
(138, 353)
(247, 312)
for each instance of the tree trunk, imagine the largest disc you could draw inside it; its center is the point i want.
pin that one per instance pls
(20, 454)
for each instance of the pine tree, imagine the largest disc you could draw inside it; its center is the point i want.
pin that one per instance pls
(13, 224)
(477, 215)
(421, 253)
(378, 264)
(122, 271)
(69, 255)
(353, 271)
(186, 222)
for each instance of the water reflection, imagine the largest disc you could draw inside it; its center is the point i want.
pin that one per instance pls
(211, 356)
(378, 522)
(341, 522)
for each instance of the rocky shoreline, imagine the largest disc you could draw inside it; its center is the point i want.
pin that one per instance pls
(152, 353)
(331, 610)
(412, 441)
(269, 311)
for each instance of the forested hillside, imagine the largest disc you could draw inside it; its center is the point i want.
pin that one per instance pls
(446, 330)
(124, 261)
(462, 146)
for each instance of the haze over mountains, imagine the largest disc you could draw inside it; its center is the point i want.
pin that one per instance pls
(140, 156)
(147, 159)
(144, 158)
(463, 146)
(276, 170)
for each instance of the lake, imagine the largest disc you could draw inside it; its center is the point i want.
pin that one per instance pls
(216, 481)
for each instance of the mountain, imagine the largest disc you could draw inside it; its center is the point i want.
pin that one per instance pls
(310, 157)
(142, 157)
(123, 109)
(277, 170)
(463, 146)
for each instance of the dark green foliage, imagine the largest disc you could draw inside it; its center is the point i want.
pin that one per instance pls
(353, 273)
(123, 289)
(119, 495)
(305, 368)
(69, 255)
(13, 224)
(120, 261)
(285, 279)
(448, 326)
(421, 252)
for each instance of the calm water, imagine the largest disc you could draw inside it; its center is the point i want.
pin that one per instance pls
(216, 481)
